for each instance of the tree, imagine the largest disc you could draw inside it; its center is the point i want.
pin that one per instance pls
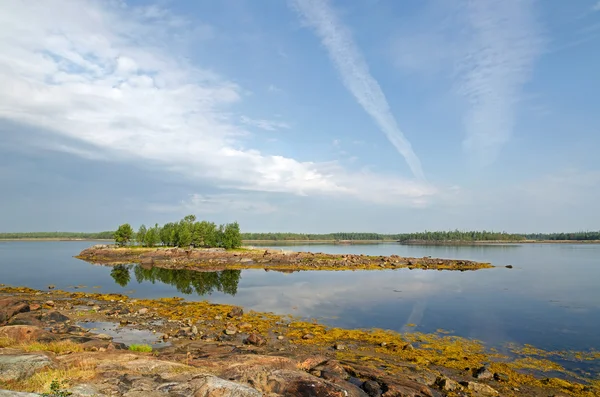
(141, 235)
(231, 236)
(184, 236)
(152, 237)
(123, 234)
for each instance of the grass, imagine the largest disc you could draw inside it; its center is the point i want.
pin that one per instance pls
(41, 381)
(58, 347)
(140, 348)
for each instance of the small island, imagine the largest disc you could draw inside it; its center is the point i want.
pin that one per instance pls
(209, 247)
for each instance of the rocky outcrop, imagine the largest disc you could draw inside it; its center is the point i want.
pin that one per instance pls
(216, 260)
(9, 307)
(14, 367)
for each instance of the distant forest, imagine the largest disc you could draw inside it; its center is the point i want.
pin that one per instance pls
(403, 237)
(109, 235)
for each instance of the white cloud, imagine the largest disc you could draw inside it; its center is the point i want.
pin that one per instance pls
(100, 73)
(505, 42)
(267, 125)
(355, 74)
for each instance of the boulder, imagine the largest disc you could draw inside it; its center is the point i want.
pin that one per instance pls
(21, 366)
(447, 384)
(22, 333)
(301, 384)
(211, 386)
(235, 312)
(85, 390)
(27, 318)
(11, 306)
(483, 373)
(54, 316)
(372, 388)
(255, 339)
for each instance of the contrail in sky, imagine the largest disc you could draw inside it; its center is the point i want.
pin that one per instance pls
(355, 75)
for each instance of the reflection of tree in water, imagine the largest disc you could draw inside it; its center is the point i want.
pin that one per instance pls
(188, 281)
(121, 275)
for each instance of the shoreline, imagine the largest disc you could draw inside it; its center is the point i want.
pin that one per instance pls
(212, 259)
(247, 348)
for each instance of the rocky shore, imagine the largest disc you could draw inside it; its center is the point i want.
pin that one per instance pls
(252, 258)
(48, 345)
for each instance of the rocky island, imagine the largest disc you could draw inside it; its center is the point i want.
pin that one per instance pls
(49, 344)
(216, 259)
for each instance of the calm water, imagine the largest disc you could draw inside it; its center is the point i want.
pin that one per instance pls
(551, 298)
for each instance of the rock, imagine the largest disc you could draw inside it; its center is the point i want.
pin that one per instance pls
(10, 393)
(236, 312)
(21, 366)
(194, 330)
(85, 390)
(509, 266)
(339, 346)
(383, 344)
(372, 388)
(49, 303)
(10, 307)
(211, 386)
(308, 336)
(483, 373)
(55, 316)
(480, 389)
(123, 322)
(104, 336)
(51, 286)
(408, 346)
(34, 307)
(280, 337)
(27, 318)
(447, 384)
(218, 317)
(22, 333)
(255, 339)
(500, 377)
(143, 311)
(231, 330)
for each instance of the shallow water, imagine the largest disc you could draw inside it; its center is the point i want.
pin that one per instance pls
(551, 298)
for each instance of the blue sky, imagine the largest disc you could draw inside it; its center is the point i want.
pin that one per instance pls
(305, 115)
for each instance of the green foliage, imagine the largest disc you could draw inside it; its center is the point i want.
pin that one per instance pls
(56, 390)
(152, 237)
(231, 236)
(140, 348)
(124, 234)
(120, 273)
(189, 281)
(141, 235)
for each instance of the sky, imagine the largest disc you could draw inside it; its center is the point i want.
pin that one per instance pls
(301, 115)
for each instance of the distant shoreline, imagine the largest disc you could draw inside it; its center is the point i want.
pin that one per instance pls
(348, 242)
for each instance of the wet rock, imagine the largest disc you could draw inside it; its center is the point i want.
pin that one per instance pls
(255, 339)
(231, 330)
(483, 373)
(480, 389)
(509, 266)
(22, 333)
(123, 322)
(54, 316)
(308, 336)
(372, 388)
(211, 386)
(21, 366)
(500, 377)
(235, 312)
(51, 286)
(27, 318)
(447, 384)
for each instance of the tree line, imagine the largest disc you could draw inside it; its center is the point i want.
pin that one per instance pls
(56, 235)
(184, 233)
(455, 235)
